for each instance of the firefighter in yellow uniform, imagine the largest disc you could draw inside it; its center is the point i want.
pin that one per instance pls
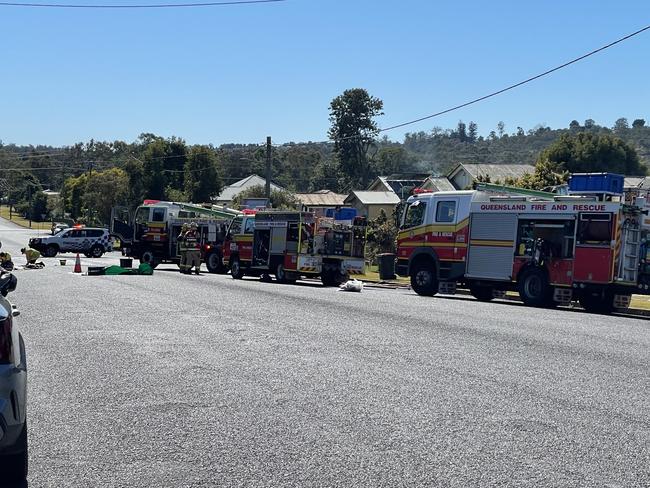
(193, 247)
(5, 261)
(182, 249)
(30, 254)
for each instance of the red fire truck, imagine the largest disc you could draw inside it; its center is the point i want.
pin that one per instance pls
(291, 244)
(551, 249)
(150, 233)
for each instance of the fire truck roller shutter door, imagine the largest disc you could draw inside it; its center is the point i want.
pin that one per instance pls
(491, 245)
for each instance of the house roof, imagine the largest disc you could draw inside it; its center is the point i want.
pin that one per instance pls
(438, 183)
(374, 197)
(398, 182)
(634, 182)
(494, 171)
(235, 189)
(321, 198)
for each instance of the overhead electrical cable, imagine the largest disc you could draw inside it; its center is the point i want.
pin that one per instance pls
(511, 87)
(137, 6)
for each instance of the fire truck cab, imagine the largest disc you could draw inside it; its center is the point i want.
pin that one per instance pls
(551, 250)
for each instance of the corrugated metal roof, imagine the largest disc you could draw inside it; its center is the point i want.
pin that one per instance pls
(495, 171)
(438, 183)
(374, 197)
(322, 198)
(235, 189)
(634, 182)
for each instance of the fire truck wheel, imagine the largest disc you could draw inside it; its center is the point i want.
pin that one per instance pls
(236, 270)
(214, 263)
(533, 288)
(424, 280)
(332, 277)
(281, 275)
(597, 303)
(481, 293)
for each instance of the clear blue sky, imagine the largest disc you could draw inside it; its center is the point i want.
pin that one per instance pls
(239, 73)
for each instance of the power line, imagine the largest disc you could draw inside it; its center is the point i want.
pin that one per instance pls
(140, 6)
(511, 87)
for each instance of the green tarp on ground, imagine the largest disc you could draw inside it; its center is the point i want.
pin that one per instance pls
(143, 269)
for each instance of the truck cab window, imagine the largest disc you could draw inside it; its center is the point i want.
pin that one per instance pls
(158, 215)
(235, 227)
(414, 214)
(446, 211)
(249, 225)
(142, 215)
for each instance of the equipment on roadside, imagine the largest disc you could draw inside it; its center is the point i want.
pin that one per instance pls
(551, 249)
(352, 285)
(77, 264)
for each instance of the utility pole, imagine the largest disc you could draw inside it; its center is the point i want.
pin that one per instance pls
(90, 175)
(268, 169)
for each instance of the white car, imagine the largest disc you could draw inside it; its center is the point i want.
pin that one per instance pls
(13, 390)
(91, 241)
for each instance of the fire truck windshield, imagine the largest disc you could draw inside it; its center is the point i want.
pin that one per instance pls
(414, 214)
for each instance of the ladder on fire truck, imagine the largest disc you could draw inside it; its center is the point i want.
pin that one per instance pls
(628, 268)
(212, 211)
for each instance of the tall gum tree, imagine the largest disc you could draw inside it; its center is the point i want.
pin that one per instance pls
(354, 132)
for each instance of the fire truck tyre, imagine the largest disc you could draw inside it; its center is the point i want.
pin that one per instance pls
(96, 252)
(214, 263)
(424, 280)
(50, 251)
(533, 288)
(597, 303)
(481, 293)
(332, 277)
(280, 274)
(148, 258)
(236, 271)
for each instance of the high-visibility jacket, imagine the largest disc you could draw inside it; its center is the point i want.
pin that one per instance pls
(32, 254)
(191, 241)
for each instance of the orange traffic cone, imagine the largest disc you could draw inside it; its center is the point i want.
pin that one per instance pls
(77, 265)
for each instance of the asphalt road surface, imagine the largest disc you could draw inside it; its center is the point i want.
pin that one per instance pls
(173, 380)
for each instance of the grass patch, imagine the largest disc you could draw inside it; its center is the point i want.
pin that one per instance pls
(18, 220)
(372, 274)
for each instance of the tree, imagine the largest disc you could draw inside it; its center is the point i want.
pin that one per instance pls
(105, 190)
(461, 131)
(390, 160)
(324, 176)
(587, 152)
(547, 174)
(590, 124)
(638, 123)
(38, 207)
(574, 126)
(280, 199)
(72, 195)
(621, 125)
(163, 166)
(472, 132)
(134, 170)
(501, 128)
(202, 178)
(353, 131)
